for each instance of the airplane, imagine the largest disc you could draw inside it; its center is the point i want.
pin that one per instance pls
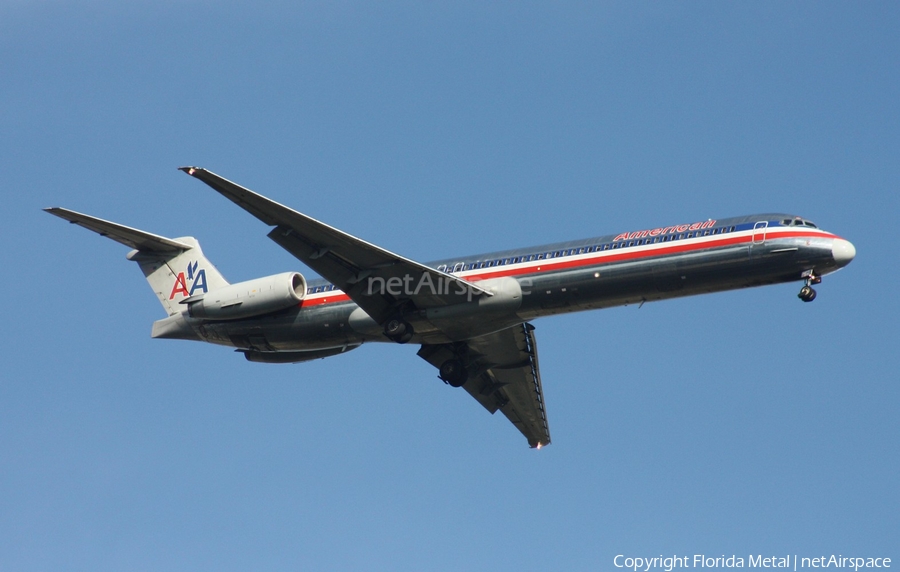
(471, 315)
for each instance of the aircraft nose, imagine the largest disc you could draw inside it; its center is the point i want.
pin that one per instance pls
(842, 251)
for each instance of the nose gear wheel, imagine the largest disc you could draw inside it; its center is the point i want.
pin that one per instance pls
(807, 294)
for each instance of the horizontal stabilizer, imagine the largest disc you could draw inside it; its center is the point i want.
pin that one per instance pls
(137, 239)
(175, 268)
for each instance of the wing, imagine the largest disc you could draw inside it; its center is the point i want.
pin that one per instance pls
(503, 374)
(363, 271)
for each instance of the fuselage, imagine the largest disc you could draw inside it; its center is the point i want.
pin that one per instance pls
(627, 268)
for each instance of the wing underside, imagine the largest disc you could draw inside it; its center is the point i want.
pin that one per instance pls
(503, 375)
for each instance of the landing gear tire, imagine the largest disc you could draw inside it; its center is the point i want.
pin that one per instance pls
(807, 294)
(454, 373)
(398, 330)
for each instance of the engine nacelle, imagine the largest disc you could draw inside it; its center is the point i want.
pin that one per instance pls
(251, 298)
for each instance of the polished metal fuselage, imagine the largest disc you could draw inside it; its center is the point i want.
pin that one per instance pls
(569, 277)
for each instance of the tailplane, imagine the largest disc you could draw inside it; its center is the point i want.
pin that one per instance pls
(175, 268)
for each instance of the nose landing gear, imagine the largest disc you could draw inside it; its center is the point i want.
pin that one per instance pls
(807, 294)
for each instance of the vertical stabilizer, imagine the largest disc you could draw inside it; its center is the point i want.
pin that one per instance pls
(174, 276)
(175, 268)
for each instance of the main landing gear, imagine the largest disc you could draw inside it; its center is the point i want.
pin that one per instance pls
(398, 330)
(807, 294)
(453, 372)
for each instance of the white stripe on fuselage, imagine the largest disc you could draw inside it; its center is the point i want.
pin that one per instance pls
(598, 256)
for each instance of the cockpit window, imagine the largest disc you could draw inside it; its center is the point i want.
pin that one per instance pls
(809, 224)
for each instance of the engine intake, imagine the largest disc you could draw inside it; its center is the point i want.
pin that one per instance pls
(251, 298)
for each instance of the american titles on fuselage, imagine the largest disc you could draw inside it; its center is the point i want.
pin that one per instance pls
(665, 230)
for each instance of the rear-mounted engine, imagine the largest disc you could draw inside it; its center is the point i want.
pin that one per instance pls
(250, 298)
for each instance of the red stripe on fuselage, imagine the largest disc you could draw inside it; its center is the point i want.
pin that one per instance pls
(603, 257)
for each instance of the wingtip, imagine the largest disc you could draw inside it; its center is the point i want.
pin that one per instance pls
(189, 170)
(56, 211)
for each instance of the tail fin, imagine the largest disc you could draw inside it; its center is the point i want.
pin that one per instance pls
(175, 268)
(175, 276)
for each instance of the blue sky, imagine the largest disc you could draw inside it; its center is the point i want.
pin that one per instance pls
(737, 423)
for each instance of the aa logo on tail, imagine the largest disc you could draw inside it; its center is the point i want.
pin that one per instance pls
(196, 277)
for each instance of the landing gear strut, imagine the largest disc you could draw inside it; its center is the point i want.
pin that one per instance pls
(807, 294)
(453, 372)
(398, 330)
